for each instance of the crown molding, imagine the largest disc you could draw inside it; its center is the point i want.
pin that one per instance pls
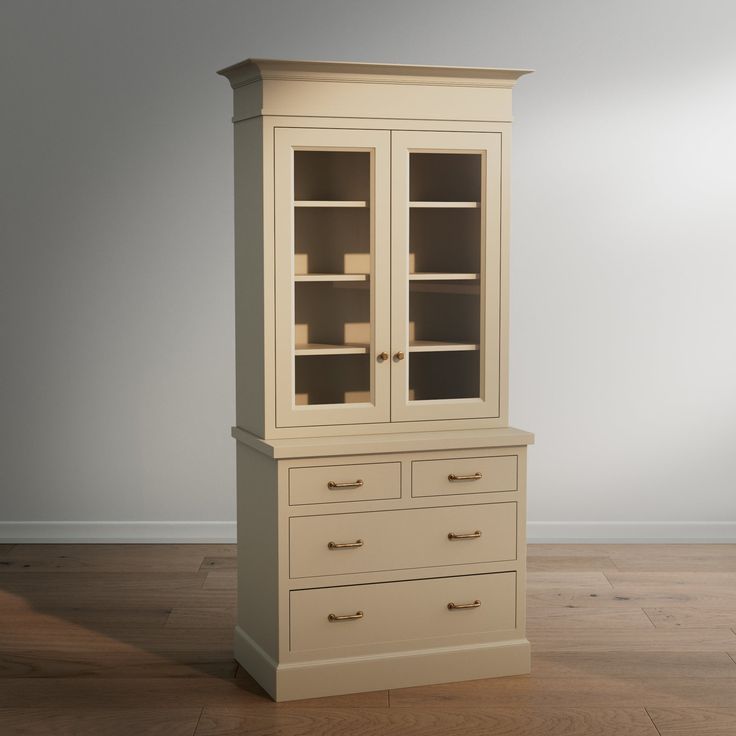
(255, 70)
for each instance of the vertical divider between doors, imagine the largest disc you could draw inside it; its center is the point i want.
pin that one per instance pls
(391, 274)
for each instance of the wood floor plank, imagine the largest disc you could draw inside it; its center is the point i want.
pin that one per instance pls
(578, 618)
(66, 637)
(569, 563)
(572, 673)
(570, 580)
(98, 721)
(111, 619)
(674, 557)
(130, 692)
(221, 580)
(112, 557)
(692, 616)
(638, 596)
(295, 721)
(114, 665)
(183, 617)
(672, 579)
(5, 549)
(592, 690)
(694, 721)
(49, 591)
(219, 563)
(574, 550)
(707, 589)
(653, 640)
(96, 599)
(67, 584)
(626, 664)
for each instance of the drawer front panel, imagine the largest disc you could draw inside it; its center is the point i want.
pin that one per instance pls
(337, 483)
(394, 540)
(464, 475)
(388, 612)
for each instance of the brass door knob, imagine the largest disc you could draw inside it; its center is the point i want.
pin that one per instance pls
(399, 355)
(382, 356)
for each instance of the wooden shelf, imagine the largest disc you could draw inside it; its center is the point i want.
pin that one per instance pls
(431, 276)
(331, 277)
(445, 205)
(330, 203)
(431, 286)
(319, 348)
(435, 346)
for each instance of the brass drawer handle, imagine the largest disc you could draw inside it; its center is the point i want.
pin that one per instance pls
(459, 606)
(470, 535)
(383, 356)
(352, 484)
(345, 545)
(474, 476)
(348, 617)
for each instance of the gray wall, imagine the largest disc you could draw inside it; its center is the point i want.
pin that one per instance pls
(116, 282)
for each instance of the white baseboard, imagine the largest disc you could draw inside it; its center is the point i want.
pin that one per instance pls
(150, 532)
(223, 532)
(630, 532)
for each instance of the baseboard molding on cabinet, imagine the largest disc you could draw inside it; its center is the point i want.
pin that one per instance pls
(380, 671)
(142, 532)
(631, 532)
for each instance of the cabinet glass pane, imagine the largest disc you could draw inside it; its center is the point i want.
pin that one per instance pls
(332, 277)
(445, 273)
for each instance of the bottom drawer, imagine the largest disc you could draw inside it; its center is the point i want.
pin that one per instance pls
(323, 618)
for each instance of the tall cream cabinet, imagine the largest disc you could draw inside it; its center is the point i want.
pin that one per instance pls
(381, 494)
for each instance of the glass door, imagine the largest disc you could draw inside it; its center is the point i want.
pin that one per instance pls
(332, 236)
(446, 269)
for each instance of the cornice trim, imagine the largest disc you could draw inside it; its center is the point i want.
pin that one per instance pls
(254, 70)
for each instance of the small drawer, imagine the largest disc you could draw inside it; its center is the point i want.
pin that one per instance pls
(323, 618)
(337, 483)
(464, 475)
(339, 544)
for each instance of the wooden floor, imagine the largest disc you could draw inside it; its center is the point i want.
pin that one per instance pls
(136, 639)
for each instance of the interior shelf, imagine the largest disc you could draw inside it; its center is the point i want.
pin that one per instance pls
(330, 203)
(432, 276)
(432, 286)
(437, 346)
(331, 277)
(319, 348)
(445, 205)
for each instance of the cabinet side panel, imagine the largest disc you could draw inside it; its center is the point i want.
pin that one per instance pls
(249, 276)
(258, 548)
(521, 553)
(503, 383)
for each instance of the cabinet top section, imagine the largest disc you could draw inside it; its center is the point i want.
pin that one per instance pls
(350, 89)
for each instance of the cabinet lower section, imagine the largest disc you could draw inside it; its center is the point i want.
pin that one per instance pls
(373, 571)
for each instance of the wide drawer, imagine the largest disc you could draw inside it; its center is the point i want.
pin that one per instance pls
(392, 540)
(464, 475)
(336, 483)
(323, 618)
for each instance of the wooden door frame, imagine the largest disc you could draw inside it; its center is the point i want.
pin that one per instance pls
(377, 142)
(493, 332)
